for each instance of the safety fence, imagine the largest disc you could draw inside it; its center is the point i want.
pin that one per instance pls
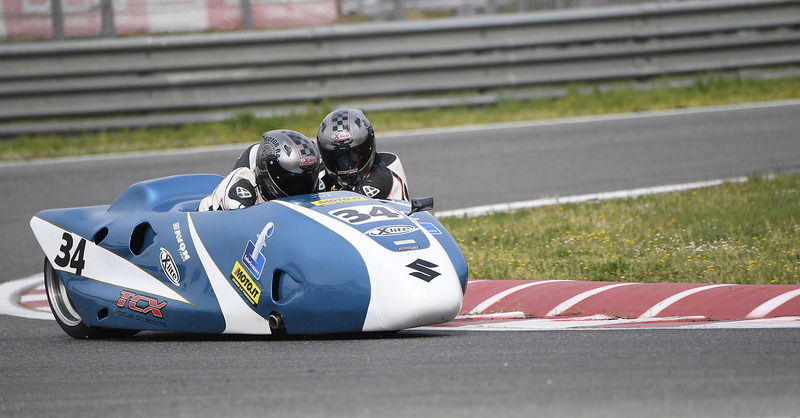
(189, 74)
(58, 19)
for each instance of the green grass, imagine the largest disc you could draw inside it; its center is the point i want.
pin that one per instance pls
(744, 233)
(708, 90)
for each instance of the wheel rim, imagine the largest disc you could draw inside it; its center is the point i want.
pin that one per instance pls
(59, 300)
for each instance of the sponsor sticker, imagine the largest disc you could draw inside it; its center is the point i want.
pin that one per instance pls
(325, 202)
(252, 257)
(343, 136)
(169, 267)
(243, 193)
(371, 191)
(245, 283)
(140, 303)
(391, 230)
(431, 228)
(424, 270)
(182, 251)
(406, 244)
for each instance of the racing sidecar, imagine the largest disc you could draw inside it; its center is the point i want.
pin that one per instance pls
(333, 262)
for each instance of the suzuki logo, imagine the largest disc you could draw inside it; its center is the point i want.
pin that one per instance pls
(424, 270)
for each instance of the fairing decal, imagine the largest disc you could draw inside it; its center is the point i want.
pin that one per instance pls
(398, 299)
(76, 255)
(239, 317)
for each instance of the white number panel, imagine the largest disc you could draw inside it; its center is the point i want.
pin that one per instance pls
(357, 215)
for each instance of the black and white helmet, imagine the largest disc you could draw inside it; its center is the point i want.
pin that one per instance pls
(287, 164)
(347, 145)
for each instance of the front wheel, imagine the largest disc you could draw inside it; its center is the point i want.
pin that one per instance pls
(67, 317)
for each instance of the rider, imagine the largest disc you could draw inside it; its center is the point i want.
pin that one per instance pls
(346, 143)
(284, 163)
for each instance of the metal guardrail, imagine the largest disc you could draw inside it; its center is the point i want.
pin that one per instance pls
(140, 76)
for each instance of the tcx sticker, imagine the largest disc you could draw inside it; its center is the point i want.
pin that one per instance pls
(356, 215)
(141, 303)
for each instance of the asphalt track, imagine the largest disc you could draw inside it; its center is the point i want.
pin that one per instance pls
(437, 373)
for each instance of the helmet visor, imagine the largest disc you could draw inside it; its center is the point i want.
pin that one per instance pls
(344, 162)
(289, 183)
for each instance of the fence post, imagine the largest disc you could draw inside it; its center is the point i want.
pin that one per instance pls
(398, 10)
(57, 15)
(247, 15)
(107, 27)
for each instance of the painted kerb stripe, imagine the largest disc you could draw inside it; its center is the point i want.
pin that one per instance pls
(765, 308)
(664, 304)
(563, 306)
(494, 299)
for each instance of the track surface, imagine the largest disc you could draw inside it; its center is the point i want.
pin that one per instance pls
(583, 373)
(413, 373)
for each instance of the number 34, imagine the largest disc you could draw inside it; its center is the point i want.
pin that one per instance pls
(67, 257)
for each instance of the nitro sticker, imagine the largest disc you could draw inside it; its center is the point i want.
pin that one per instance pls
(253, 259)
(245, 283)
(141, 303)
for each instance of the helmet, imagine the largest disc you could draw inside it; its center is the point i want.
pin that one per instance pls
(287, 164)
(347, 144)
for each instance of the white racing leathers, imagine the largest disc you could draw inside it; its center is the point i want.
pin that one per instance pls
(386, 180)
(238, 189)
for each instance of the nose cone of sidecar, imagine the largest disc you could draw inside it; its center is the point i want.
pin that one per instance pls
(417, 291)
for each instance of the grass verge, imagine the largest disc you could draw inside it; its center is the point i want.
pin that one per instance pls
(744, 233)
(707, 90)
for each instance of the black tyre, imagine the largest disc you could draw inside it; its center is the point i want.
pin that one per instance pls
(67, 317)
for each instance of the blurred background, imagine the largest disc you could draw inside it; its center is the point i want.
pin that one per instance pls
(57, 19)
(95, 65)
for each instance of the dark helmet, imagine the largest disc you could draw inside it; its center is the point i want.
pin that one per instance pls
(347, 144)
(287, 164)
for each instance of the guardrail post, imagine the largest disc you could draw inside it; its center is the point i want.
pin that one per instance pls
(107, 28)
(247, 15)
(57, 15)
(398, 10)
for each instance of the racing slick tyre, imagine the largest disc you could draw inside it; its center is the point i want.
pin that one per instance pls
(67, 317)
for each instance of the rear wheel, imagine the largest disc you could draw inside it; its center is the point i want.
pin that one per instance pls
(67, 316)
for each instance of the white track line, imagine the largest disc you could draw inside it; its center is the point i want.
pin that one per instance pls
(404, 135)
(492, 300)
(664, 304)
(765, 308)
(563, 306)
(551, 201)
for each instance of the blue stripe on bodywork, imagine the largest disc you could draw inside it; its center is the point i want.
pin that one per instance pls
(323, 279)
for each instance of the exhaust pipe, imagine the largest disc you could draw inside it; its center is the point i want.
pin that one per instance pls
(276, 324)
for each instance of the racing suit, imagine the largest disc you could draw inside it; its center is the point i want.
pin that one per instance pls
(238, 189)
(385, 180)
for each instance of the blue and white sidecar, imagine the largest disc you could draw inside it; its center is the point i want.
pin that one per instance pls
(333, 262)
